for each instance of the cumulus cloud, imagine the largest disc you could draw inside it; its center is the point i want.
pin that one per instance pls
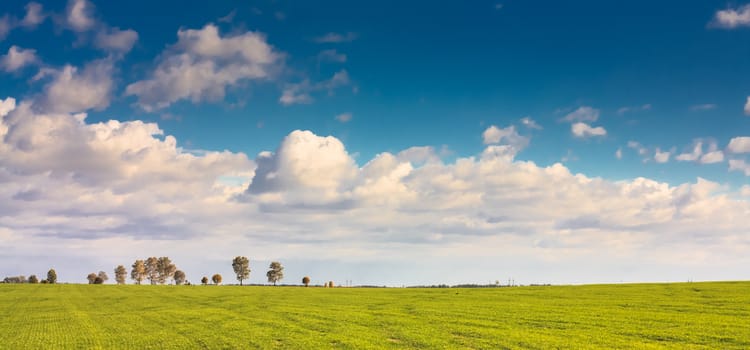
(301, 93)
(661, 157)
(79, 15)
(17, 58)
(114, 39)
(584, 130)
(34, 15)
(732, 17)
(739, 165)
(508, 135)
(336, 38)
(76, 90)
(710, 156)
(739, 144)
(109, 191)
(202, 65)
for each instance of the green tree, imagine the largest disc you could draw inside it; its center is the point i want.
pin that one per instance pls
(121, 274)
(165, 269)
(152, 269)
(52, 276)
(33, 279)
(139, 271)
(179, 277)
(306, 281)
(216, 278)
(241, 266)
(204, 280)
(276, 272)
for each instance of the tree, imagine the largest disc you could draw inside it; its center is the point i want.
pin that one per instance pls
(166, 269)
(179, 277)
(92, 278)
(152, 269)
(33, 279)
(330, 284)
(139, 271)
(306, 281)
(204, 280)
(216, 278)
(121, 274)
(52, 276)
(276, 272)
(241, 266)
(102, 276)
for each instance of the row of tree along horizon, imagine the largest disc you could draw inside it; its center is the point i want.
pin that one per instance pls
(161, 270)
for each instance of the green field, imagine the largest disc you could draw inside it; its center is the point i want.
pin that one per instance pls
(642, 316)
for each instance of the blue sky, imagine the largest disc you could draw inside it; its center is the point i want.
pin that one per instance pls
(355, 128)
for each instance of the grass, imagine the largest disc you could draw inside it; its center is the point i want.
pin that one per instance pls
(712, 315)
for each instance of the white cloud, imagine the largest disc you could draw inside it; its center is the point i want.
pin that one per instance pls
(703, 107)
(331, 56)
(712, 157)
(583, 130)
(712, 154)
(34, 15)
(732, 18)
(80, 15)
(77, 90)
(739, 165)
(114, 39)
(202, 65)
(530, 123)
(582, 114)
(17, 58)
(300, 93)
(661, 157)
(642, 150)
(507, 136)
(336, 38)
(618, 153)
(344, 117)
(6, 25)
(747, 106)
(102, 194)
(628, 109)
(739, 144)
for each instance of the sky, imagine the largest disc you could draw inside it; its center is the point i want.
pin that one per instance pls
(382, 143)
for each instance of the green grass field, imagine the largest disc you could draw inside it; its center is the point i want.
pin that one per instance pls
(642, 316)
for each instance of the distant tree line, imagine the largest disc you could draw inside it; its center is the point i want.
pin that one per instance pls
(51, 278)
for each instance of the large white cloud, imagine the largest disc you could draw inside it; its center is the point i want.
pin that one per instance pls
(103, 194)
(79, 16)
(739, 144)
(203, 64)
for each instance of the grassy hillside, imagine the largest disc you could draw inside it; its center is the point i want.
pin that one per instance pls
(678, 316)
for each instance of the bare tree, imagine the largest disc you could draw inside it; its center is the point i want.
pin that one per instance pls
(165, 269)
(204, 280)
(139, 271)
(121, 274)
(306, 281)
(91, 277)
(179, 277)
(152, 269)
(241, 266)
(216, 278)
(103, 276)
(276, 272)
